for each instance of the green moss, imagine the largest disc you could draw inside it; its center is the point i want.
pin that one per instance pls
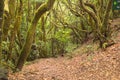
(30, 34)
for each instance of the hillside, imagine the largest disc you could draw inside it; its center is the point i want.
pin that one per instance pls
(96, 65)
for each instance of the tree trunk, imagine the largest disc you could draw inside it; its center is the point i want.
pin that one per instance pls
(15, 30)
(31, 31)
(7, 20)
(102, 30)
(1, 24)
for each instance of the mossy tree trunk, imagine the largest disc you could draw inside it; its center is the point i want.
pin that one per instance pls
(1, 24)
(31, 31)
(7, 20)
(101, 31)
(15, 29)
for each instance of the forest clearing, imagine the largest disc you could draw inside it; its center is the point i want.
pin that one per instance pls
(60, 40)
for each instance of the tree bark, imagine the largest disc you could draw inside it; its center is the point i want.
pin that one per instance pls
(15, 30)
(102, 30)
(1, 24)
(31, 31)
(106, 18)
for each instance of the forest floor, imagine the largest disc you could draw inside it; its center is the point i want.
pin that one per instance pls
(94, 65)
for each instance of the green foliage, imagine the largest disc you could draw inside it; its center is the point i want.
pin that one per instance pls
(104, 45)
(7, 65)
(71, 47)
(5, 45)
(89, 49)
(63, 35)
(38, 0)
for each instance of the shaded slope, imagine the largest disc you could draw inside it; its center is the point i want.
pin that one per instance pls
(99, 65)
(104, 65)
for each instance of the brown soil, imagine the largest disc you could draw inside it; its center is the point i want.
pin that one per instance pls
(98, 65)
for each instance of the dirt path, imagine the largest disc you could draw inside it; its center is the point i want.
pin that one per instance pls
(100, 65)
(103, 66)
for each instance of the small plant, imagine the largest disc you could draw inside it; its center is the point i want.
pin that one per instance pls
(89, 49)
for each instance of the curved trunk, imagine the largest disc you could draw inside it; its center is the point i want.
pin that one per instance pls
(30, 34)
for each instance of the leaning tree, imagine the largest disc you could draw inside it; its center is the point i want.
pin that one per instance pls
(31, 31)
